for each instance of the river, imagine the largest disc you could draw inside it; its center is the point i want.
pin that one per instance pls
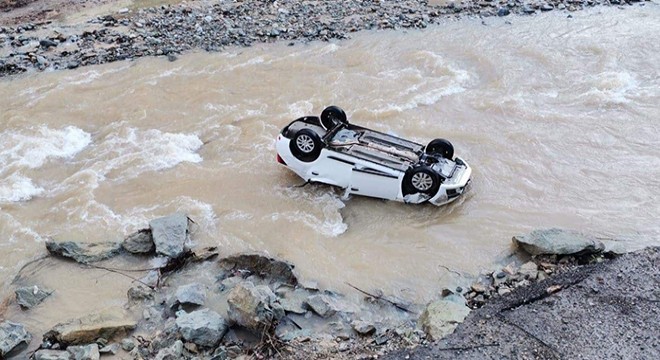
(558, 117)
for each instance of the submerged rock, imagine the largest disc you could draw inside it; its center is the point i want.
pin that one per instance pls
(170, 234)
(88, 329)
(202, 327)
(140, 242)
(264, 267)
(558, 242)
(31, 296)
(190, 294)
(84, 252)
(253, 307)
(12, 336)
(441, 317)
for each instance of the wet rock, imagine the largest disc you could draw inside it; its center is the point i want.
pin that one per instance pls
(140, 293)
(547, 7)
(105, 324)
(52, 355)
(253, 307)
(86, 352)
(47, 43)
(13, 337)
(202, 327)
(294, 301)
(264, 267)
(194, 294)
(31, 296)
(441, 317)
(170, 234)
(503, 11)
(84, 252)
(559, 242)
(139, 242)
(326, 305)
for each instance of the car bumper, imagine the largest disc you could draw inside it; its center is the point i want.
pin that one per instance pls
(455, 187)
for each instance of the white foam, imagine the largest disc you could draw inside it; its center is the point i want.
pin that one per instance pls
(300, 108)
(328, 221)
(17, 188)
(130, 152)
(33, 147)
(613, 87)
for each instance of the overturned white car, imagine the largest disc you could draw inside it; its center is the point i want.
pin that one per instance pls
(329, 150)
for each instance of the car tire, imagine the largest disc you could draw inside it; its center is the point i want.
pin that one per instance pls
(331, 116)
(306, 145)
(420, 179)
(440, 147)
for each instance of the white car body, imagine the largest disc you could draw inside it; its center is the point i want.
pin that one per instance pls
(370, 163)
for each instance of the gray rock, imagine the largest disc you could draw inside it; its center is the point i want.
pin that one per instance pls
(529, 270)
(294, 301)
(203, 327)
(85, 352)
(440, 318)
(253, 307)
(31, 296)
(12, 337)
(326, 305)
(170, 234)
(127, 344)
(264, 267)
(190, 294)
(84, 252)
(139, 242)
(140, 293)
(363, 327)
(47, 43)
(547, 7)
(300, 335)
(106, 324)
(559, 242)
(110, 349)
(173, 352)
(503, 11)
(52, 355)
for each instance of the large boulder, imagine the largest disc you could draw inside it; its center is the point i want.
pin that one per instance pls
(12, 337)
(441, 317)
(170, 234)
(105, 324)
(139, 242)
(253, 307)
(202, 327)
(270, 269)
(84, 252)
(31, 296)
(558, 242)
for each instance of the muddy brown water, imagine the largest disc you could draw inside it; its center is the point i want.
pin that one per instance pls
(558, 117)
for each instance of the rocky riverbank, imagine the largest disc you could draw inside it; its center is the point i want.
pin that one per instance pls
(197, 305)
(169, 30)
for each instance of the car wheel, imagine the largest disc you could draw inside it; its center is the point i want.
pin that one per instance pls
(306, 145)
(332, 116)
(421, 179)
(440, 147)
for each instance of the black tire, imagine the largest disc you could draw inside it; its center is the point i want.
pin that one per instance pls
(331, 116)
(306, 145)
(420, 179)
(440, 147)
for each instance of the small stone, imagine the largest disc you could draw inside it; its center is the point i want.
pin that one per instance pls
(171, 58)
(110, 349)
(31, 296)
(140, 293)
(479, 288)
(529, 270)
(202, 327)
(84, 252)
(553, 289)
(362, 327)
(47, 43)
(12, 336)
(503, 11)
(52, 355)
(127, 344)
(86, 352)
(191, 294)
(170, 233)
(139, 242)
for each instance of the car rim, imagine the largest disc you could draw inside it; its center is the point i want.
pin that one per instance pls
(422, 181)
(305, 143)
